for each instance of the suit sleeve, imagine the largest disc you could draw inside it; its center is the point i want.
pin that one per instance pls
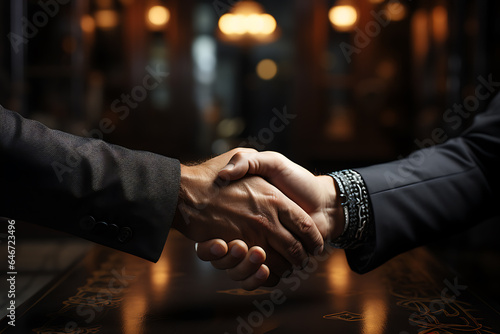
(107, 194)
(434, 192)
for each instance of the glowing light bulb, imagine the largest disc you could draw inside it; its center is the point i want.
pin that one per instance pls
(158, 16)
(267, 69)
(106, 19)
(343, 17)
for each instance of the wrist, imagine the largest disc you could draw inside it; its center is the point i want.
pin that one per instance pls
(334, 211)
(190, 181)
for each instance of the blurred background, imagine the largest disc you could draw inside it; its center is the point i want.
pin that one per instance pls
(331, 84)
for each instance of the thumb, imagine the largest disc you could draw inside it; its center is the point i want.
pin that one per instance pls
(269, 165)
(236, 168)
(296, 182)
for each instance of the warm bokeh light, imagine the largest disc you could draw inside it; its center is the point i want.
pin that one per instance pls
(230, 127)
(228, 24)
(247, 7)
(88, 24)
(133, 308)
(338, 274)
(106, 19)
(396, 11)
(419, 24)
(267, 69)
(160, 275)
(376, 1)
(268, 24)
(340, 124)
(246, 21)
(375, 314)
(254, 24)
(440, 23)
(158, 16)
(343, 17)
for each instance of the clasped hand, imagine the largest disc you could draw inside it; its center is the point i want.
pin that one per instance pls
(259, 200)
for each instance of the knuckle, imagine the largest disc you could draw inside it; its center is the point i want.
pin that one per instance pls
(262, 222)
(238, 154)
(241, 151)
(305, 225)
(237, 150)
(272, 153)
(296, 252)
(277, 156)
(274, 198)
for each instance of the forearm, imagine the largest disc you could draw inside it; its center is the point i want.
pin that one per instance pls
(434, 192)
(446, 195)
(56, 179)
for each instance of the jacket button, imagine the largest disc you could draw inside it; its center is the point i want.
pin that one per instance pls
(125, 234)
(87, 223)
(100, 228)
(113, 230)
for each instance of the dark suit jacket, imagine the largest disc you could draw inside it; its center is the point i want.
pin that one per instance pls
(104, 193)
(434, 192)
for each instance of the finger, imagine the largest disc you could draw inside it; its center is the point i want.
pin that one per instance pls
(220, 161)
(265, 164)
(287, 245)
(256, 280)
(238, 250)
(249, 266)
(211, 250)
(236, 168)
(296, 182)
(302, 226)
(293, 232)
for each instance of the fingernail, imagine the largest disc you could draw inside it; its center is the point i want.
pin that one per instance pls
(255, 258)
(228, 167)
(237, 252)
(261, 274)
(217, 250)
(195, 246)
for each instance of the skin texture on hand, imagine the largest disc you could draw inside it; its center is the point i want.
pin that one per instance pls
(249, 209)
(317, 195)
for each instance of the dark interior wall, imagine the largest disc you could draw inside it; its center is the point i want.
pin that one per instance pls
(349, 112)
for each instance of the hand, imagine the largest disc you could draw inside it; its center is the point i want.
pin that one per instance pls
(250, 209)
(241, 264)
(316, 194)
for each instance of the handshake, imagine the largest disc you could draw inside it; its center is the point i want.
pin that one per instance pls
(257, 214)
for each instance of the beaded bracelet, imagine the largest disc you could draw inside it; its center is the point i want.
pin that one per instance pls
(356, 209)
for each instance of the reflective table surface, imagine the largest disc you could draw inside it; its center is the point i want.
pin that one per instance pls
(112, 292)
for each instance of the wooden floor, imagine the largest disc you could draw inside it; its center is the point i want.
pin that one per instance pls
(112, 292)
